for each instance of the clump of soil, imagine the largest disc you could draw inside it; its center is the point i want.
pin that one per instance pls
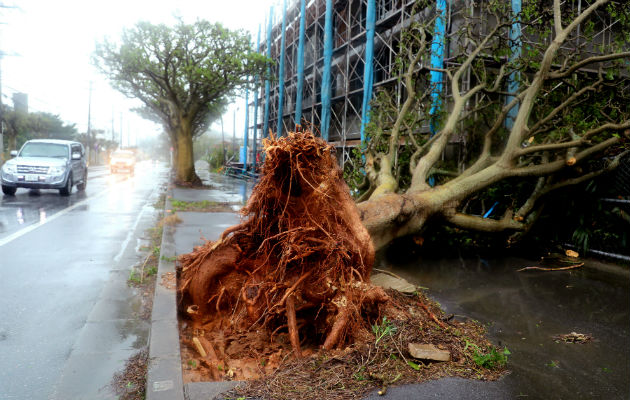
(290, 286)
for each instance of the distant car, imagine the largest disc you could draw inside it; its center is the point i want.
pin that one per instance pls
(46, 164)
(122, 160)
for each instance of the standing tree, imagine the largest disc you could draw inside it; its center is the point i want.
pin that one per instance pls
(184, 75)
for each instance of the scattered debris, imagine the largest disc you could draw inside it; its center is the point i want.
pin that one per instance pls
(169, 280)
(428, 352)
(571, 253)
(388, 281)
(537, 268)
(130, 384)
(557, 262)
(171, 220)
(573, 337)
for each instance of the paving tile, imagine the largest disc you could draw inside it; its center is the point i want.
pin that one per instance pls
(108, 309)
(112, 336)
(88, 376)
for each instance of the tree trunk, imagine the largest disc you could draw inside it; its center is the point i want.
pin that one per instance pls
(184, 159)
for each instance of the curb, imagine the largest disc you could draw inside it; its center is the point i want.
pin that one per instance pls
(164, 375)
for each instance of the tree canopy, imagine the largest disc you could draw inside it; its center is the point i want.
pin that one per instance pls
(184, 75)
(22, 126)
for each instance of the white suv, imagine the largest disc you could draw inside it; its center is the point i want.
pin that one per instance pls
(46, 164)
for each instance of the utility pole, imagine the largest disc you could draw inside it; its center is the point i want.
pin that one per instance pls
(121, 131)
(234, 134)
(222, 139)
(113, 135)
(89, 127)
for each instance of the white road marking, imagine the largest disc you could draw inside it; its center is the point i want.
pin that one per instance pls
(129, 236)
(36, 225)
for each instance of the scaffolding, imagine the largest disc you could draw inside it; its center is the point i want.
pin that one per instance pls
(344, 110)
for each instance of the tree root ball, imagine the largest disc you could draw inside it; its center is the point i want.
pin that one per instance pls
(299, 261)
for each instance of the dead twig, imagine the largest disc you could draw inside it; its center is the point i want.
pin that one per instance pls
(537, 268)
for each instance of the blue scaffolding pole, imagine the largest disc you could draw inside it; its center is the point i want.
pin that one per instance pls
(245, 134)
(281, 68)
(328, 45)
(437, 61)
(368, 72)
(255, 144)
(267, 83)
(300, 66)
(515, 76)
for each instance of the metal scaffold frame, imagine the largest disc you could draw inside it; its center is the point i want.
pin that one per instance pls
(295, 41)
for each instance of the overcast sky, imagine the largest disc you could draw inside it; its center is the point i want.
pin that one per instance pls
(48, 45)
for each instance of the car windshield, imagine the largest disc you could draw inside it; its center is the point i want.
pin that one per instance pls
(44, 150)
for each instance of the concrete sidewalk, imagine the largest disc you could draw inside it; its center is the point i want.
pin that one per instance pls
(165, 369)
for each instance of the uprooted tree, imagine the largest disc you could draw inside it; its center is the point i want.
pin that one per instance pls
(302, 250)
(568, 107)
(301, 258)
(184, 75)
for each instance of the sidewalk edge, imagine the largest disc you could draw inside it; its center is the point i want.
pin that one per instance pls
(164, 375)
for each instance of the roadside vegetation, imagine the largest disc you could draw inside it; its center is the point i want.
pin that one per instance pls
(202, 206)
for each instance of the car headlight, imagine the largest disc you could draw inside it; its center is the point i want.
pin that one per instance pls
(57, 170)
(9, 168)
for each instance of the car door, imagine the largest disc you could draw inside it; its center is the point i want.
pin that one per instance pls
(78, 169)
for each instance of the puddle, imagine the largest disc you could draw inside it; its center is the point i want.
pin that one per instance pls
(525, 310)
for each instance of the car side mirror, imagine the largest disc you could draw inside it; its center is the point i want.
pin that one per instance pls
(13, 153)
(76, 155)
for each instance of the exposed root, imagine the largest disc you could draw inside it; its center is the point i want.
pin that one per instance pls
(293, 330)
(300, 253)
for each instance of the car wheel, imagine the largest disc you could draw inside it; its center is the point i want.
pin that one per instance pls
(68, 188)
(81, 186)
(8, 190)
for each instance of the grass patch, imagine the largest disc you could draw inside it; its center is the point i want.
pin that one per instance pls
(490, 360)
(201, 206)
(159, 203)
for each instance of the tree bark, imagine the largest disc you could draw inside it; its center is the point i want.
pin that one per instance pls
(184, 158)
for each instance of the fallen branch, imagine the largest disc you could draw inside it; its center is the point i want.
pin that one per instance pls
(537, 268)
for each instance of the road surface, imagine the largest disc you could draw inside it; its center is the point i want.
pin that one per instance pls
(66, 311)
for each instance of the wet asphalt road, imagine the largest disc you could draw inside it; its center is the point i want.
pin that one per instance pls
(57, 254)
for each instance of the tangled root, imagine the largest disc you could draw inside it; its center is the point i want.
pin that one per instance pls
(300, 260)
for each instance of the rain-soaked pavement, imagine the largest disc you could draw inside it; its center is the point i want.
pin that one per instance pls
(523, 311)
(68, 318)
